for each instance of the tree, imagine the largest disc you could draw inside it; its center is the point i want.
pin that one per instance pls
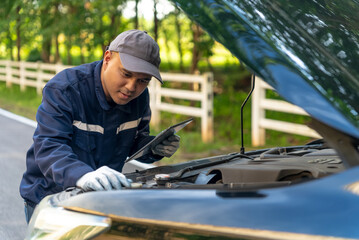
(11, 20)
(48, 26)
(110, 24)
(202, 47)
(49, 16)
(179, 37)
(7, 13)
(136, 14)
(18, 33)
(155, 20)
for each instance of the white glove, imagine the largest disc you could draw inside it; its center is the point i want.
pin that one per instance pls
(103, 178)
(167, 147)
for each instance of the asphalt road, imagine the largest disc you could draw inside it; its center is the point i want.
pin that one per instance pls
(15, 139)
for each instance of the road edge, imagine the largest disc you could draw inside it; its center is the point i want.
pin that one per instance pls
(18, 118)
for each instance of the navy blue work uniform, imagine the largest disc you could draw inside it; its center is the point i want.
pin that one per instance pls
(78, 131)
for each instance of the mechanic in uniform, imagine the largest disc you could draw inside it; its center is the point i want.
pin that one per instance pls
(92, 117)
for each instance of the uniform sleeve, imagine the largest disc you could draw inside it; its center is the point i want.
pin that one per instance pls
(143, 137)
(52, 139)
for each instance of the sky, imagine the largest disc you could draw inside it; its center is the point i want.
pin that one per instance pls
(145, 8)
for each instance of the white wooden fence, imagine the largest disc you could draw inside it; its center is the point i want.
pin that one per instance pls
(36, 75)
(260, 123)
(28, 74)
(203, 94)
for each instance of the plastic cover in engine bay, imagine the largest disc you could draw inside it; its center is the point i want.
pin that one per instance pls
(270, 168)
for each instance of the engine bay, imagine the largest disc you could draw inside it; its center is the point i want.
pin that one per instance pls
(268, 168)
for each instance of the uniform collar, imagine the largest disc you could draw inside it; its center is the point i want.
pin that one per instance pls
(101, 94)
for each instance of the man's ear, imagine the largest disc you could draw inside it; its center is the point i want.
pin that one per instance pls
(107, 56)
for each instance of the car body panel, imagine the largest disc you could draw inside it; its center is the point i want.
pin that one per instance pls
(136, 228)
(316, 207)
(307, 50)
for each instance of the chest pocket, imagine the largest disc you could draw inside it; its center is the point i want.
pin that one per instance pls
(126, 133)
(126, 138)
(84, 140)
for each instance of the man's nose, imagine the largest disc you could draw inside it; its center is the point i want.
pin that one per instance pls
(131, 84)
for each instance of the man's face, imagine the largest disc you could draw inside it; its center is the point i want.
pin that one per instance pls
(121, 86)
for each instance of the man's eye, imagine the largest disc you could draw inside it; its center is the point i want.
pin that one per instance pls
(145, 81)
(127, 75)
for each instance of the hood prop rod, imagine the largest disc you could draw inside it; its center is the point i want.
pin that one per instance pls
(244, 103)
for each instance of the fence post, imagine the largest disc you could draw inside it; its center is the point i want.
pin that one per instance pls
(22, 76)
(8, 73)
(58, 67)
(155, 117)
(207, 112)
(258, 113)
(158, 96)
(39, 78)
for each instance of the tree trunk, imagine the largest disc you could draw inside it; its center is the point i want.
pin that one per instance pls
(115, 25)
(46, 38)
(18, 36)
(68, 50)
(136, 15)
(155, 19)
(82, 55)
(178, 32)
(46, 48)
(103, 47)
(196, 54)
(10, 44)
(168, 51)
(57, 54)
(56, 34)
(83, 47)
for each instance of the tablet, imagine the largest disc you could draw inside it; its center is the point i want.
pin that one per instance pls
(159, 138)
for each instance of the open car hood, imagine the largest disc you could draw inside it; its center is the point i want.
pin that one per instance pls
(307, 50)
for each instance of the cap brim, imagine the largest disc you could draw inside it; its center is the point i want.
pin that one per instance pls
(135, 64)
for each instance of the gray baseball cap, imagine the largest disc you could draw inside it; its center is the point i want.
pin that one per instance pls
(138, 52)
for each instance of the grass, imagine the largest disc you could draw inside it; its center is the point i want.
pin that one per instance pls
(24, 103)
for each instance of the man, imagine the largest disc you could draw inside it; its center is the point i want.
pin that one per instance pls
(92, 117)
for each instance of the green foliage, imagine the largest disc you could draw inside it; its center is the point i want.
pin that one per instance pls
(34, 55)
(227, 110)
(75, 32)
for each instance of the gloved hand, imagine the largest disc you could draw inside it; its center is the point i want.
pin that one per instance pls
(103, 178)
(167, 147)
